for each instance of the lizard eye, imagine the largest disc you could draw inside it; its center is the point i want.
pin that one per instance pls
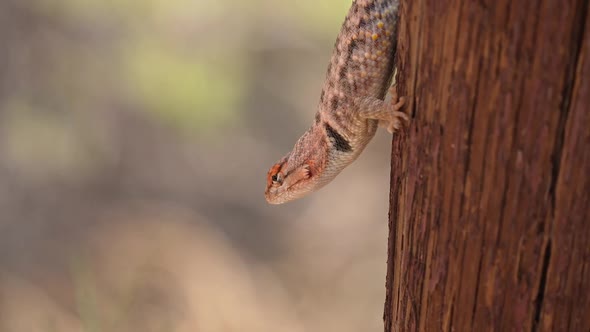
(277, 178)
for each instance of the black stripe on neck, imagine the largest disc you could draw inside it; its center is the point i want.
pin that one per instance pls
(340, 143)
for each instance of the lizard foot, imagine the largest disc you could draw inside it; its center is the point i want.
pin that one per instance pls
(392, 120)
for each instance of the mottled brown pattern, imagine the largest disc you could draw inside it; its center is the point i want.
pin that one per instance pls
(362, 60)
(351, 103)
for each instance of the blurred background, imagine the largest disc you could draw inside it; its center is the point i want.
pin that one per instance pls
(135, 137)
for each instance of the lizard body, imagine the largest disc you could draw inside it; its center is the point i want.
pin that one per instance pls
(351, 103)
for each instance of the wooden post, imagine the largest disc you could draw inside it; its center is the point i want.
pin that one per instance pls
(490, 186)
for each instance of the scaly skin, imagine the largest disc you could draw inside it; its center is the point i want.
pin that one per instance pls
(351, 103)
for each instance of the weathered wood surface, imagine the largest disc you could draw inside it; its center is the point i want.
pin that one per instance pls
(490, 188)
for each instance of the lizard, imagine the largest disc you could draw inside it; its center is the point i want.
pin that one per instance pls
(352, 103)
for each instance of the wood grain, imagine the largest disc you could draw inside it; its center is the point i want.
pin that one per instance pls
(490, 185)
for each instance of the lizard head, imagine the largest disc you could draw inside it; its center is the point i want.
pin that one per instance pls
(305, 169)
(288, 180)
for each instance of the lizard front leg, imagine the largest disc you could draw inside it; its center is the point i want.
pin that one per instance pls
(387, 112)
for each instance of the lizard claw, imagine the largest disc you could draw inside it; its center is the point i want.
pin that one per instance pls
(394, 119)
(395, 122)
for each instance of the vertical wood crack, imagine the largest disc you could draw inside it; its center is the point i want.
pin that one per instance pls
(541, 290)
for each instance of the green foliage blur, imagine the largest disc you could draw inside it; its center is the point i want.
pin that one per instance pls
(134, 141)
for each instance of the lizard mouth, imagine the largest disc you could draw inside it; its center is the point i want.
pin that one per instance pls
(276, 196)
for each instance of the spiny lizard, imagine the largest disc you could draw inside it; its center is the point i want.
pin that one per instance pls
(351, 103)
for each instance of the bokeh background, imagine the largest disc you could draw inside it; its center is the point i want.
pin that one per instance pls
(135, 137)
